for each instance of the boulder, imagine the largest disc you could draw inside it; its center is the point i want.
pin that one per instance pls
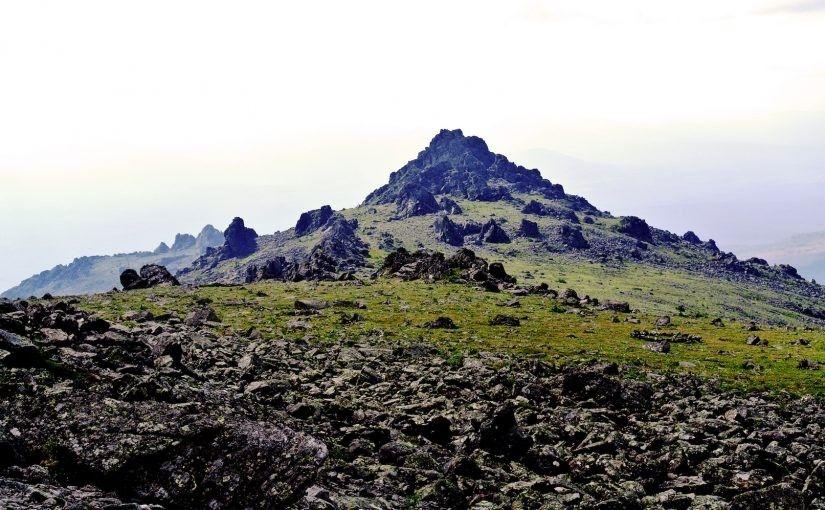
(636, 228)
(441, 323)
(151, 275)
(691, 238)
(156, 275)
(505, 320)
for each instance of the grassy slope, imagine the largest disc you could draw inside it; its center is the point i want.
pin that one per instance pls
(655, 289)
(397, 310)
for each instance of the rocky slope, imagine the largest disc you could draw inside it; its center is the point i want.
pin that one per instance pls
(459, 193)
(99, 273)
(171, 411)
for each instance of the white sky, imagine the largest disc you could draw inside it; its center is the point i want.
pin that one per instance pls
(122, 123)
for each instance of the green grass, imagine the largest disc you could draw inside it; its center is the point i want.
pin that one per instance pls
(396, 312)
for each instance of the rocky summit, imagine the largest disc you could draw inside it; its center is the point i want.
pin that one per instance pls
(470, 336)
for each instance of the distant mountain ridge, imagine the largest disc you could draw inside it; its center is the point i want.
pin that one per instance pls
(100, 273)
(805, 251)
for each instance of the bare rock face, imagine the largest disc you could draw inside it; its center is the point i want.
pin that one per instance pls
(572, 237)
(183, 241)
(151, 275)
(464, 266)
(311, 221)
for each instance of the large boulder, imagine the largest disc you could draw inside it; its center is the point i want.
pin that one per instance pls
(151, 275)
(691, 238)
(311, 221)
(636, 228)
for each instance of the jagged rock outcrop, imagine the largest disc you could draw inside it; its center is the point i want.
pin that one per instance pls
(636, 228)
(151, 275)
(529, 229)
(337, 253)
(492, 232)
(239, 239)
(415, 200)
(448, 231)
(311, 221)
(239, 242)
(463, 166)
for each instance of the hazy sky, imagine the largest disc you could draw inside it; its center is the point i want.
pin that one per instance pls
(122, 123)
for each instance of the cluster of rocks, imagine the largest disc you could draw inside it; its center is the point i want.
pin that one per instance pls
(151, 275)
(337, 254)
(450, 232)
(463, 266)
(169, 413)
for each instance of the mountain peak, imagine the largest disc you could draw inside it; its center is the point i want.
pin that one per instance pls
(464, 167)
